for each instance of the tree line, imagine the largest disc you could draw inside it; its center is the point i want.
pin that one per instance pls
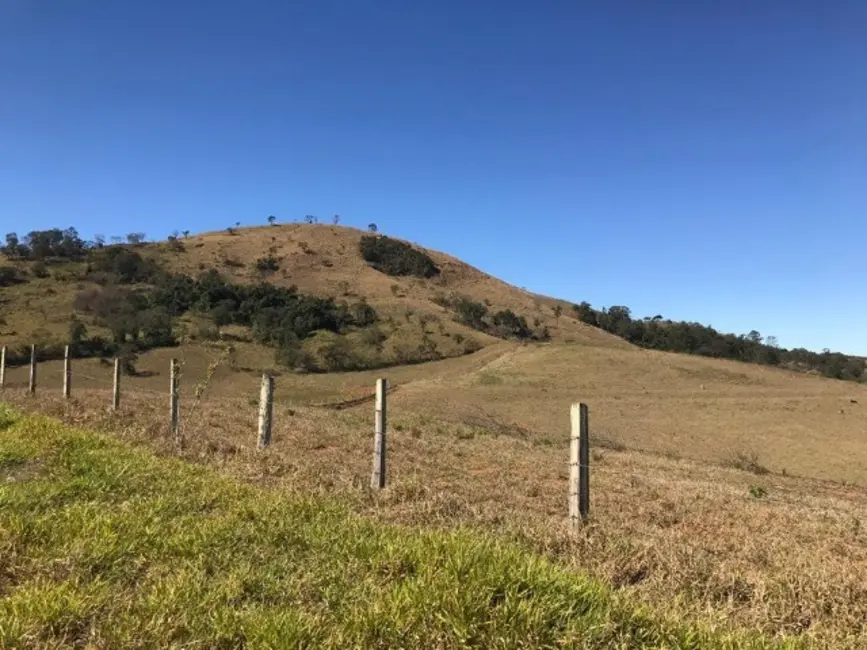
(694, 338)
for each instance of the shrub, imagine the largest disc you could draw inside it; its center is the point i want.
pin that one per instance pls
(175, 245)
(471, 313)
(510, 325)
(758, 491)
(8, 276)
(471, 345)
(39, 270)
(396, 258)
(747, 462)
(268, 264)
(374, 337)
(77, 332)
(127, 265)
(362, 314)
(292, 356)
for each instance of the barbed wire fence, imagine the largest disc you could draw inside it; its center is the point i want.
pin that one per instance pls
(579, 456)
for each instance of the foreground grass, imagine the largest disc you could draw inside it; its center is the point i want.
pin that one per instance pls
(106, 546)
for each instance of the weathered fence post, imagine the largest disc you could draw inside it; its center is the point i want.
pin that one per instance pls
(174, 401)
(32, 386)
(67, 373)
(266, 410)
(579, 465)
(3, 367)
(377, 480)
(115, 396)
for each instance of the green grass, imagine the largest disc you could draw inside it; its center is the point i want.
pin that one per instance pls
(107, 546)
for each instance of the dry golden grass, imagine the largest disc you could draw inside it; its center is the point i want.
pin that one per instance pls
(482, 441)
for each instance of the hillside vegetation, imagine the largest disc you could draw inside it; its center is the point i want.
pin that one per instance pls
(326, 298)
(322, 298)
(108, 547)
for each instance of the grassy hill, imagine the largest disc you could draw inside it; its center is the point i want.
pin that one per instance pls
(322, 261)
(729, 495)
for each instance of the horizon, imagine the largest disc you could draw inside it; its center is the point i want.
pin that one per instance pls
(703, 163)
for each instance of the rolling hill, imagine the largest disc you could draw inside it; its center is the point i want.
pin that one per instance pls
(725, 493)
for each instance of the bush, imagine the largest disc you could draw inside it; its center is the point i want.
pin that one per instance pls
(471, 313)
(8, 276)
(292, 356)
(374, 337)
(396, 258)
(510, 325)
(39, 270)
(127, 265)
(362, 314)
(77, 332)
(268, 264)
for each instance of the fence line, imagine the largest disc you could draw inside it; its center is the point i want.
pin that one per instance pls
(579, 441)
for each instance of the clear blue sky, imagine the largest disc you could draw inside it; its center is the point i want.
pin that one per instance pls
(699, 159)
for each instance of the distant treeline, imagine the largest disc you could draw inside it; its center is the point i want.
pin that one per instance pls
(693, 338)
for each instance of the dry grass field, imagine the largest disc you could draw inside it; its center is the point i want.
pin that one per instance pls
(730, 494)
(684, 516)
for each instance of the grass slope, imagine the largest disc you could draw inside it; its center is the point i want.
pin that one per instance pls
(105, 546)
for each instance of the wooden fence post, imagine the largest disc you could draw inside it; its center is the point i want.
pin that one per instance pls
(32, 386)
(3, 367)
(579, 465)
(377, 480)
(115, 396)
(266, 410)
(174, 401)
(67, 373)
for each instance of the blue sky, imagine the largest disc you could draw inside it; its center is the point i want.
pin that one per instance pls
(702, 160)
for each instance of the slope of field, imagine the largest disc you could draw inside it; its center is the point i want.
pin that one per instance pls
(108, 547)
(678, 405)
(723, 544)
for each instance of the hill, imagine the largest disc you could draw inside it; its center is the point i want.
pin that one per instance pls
(455, 312)
(726, 494)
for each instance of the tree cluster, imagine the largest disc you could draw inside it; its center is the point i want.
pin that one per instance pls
(275, 313)
(396, 258)
(504, 323)
(131, 317)
(40, 245)
(693, 338)
(118, 264)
